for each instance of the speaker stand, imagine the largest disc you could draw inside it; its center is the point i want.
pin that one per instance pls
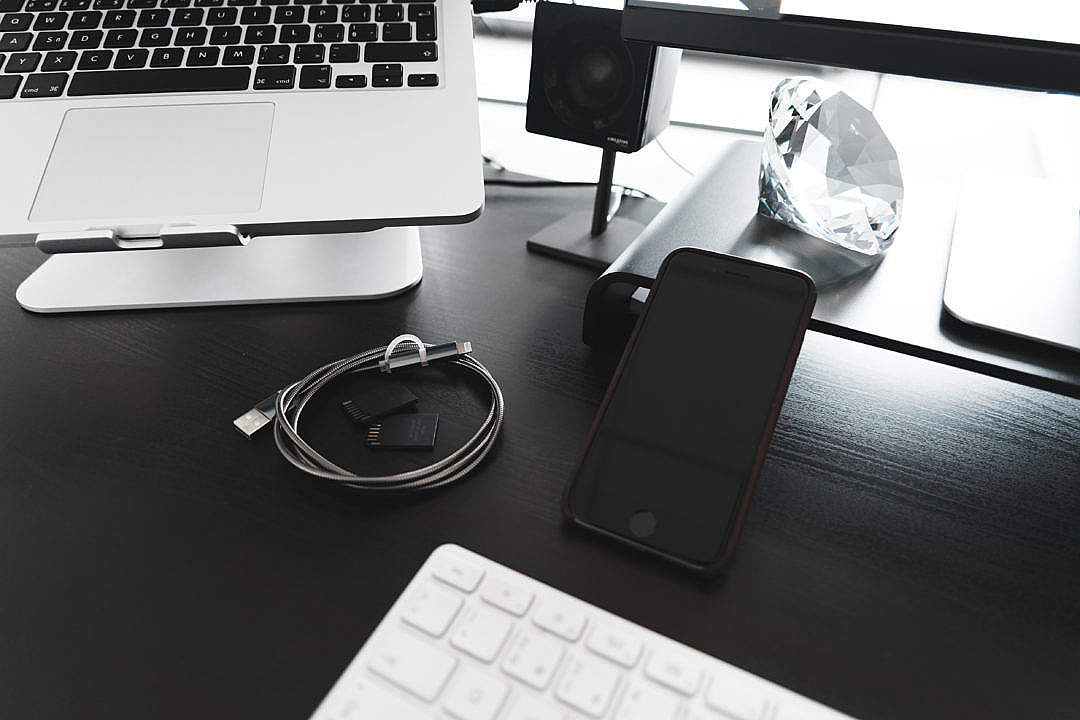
(605, 239)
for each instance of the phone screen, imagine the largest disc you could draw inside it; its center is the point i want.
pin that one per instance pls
(676, 447)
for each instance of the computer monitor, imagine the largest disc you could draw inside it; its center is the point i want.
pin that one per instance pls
(1014, 263)
(1034, 46)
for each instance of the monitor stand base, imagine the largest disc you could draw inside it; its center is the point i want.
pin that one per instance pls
(279, 269)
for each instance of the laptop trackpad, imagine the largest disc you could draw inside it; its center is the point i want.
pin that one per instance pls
(176, 160)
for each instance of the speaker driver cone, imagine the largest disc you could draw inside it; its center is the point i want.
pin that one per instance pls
(588, 86)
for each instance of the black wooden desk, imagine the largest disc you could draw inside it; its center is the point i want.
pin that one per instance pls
(913, 550)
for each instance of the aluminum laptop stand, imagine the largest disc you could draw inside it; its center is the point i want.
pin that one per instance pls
(275, 269)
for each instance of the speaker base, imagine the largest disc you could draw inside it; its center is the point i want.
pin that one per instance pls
(569, 239)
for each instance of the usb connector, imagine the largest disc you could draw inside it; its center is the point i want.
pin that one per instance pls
(446, 351)
(257, 417)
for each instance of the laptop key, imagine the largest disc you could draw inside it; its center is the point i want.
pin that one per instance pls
(187, 17)
(23, 62)
(274, 55)
(255, 16)
(389, 13)
(7, 6)
(315, 77)
(322, 14)
(16, 41)
(400, 52)
(295, 34)
(130, 59)
(190, 36)
(356, 13)
(86, 40)
(153, 18)
(119, 19)
(203, 56)
(95, 59)
(44, 85)
(329, 33)
(50, 21)
(344, 53)
(225, 35)
(222, 16)
(87, 20)
(397, 32)
(425, 29)
(155, 37)
(9, 85)
(289, 14)
(162, 80)
(275, 77)
(141, 4)
(350, 81)
(121, 38)
(59, 61)
(260, 34)
(108, 4)
(309, 54)
(363, 32)
(419, 10)
(167, 57)
(423, 80)
(16, 21)
(50, 40)
(383, 81)
(239, 55)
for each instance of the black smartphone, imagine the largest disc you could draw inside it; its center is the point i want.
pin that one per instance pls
(671, 460)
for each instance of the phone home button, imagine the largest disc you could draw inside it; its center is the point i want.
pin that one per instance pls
(642, 524)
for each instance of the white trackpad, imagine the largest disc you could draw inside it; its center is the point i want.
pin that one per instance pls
(173, 161)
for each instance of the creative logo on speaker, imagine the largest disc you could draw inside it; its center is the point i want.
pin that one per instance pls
(621, 142)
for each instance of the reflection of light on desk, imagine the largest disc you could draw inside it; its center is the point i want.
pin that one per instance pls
(1053, 21)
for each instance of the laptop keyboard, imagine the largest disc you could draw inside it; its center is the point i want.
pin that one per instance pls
(74, 48)
(470, 639)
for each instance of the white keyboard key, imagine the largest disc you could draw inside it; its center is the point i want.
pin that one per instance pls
(412, 664)
(615, 644)
(675, 671)
(474, 695)
(797, 709)
(588, 685)
(647, 702)
(736, 696)
(560, 619)
(431, 609)
(365, 700)
(533, 659)
(481, 633)
(513, 600)
(530, 708)
(461, 575)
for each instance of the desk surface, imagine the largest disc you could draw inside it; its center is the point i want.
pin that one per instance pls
(913, 549)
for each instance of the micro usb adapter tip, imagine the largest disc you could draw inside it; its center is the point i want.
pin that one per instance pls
(257, 417)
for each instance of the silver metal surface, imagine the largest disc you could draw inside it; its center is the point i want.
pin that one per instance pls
(337, 160)
(1014, 265)
(295, 268)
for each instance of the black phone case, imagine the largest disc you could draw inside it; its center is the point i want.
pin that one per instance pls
(712, 569)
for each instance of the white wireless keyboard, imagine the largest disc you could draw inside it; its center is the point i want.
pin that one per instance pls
(472, 640)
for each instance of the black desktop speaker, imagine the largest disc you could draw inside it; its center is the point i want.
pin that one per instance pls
(590, 86)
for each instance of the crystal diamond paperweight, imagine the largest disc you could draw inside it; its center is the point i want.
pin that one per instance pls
(828, 169)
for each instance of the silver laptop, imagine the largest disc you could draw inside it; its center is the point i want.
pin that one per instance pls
(270, 116)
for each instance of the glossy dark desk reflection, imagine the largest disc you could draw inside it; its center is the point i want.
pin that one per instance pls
(913, 550)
